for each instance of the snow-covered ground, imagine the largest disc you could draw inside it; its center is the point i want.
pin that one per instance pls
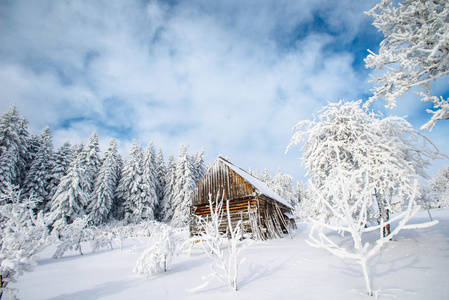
(413, 266)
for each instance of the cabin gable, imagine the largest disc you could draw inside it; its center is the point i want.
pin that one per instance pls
(221, 182)
(259, 210)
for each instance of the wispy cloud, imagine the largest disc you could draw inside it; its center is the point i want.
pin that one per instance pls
(230, 76)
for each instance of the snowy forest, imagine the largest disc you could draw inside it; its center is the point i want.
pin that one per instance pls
(77, 181)
(75, 189)
(369, 200)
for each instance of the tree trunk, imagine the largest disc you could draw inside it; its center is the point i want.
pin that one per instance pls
(2, 285)
(384, 214)
(363, 262)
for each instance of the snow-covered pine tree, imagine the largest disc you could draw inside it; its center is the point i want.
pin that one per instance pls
(8, 170)
(77, 149)
(102, 196)
(131, 189)
(414, 52)
(161, 171)
(301, 192)
(90, 159)
(302, 204)
(62, 160)
(265, 177)
(34, 142)
(253, 173)
(184, 185)
(282, 184)
(198, 166)
(23, 150)
(37, 181)
(149, 180)
(439, 187)
(13, 144)
(71, 196)
(166, 213)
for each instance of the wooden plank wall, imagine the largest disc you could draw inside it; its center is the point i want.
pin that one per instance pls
(222, 182)
(238, 210)
(261, 216)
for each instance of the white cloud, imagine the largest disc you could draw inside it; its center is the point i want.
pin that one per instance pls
(233, 77)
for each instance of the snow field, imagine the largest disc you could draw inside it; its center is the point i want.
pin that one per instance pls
(413, 266)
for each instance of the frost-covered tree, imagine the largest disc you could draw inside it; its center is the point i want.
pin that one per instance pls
(102, 196)
(77, 149)
(166, 211)
(282, 184)
(13, 144)
(37, 181)
(34, 142)
(302, 205)
(223, 248)
(161, 172)
(62, 160)
(387, 149)
(184, 185)
(415, 51)
(131, 191)
(71, 196)
(149, 178)
(90, 158)
(8, 170)
(253, 173)
(72, 235)
(22, 235)
(439, 187)
(301, 192)
(265, 177)
(350, 214)
(198, 166)
(162, 248)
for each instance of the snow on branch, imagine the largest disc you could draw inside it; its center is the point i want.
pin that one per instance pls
(415, 52)
(22, 235)
(350, 216)
(162, 248)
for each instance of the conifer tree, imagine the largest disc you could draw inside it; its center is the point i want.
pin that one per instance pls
(77, 149)
(282, 184)
(90, 158)
(131, 189)
(265, 177)
(102, 197)
(13, 144)
(62, 160)
(34, 142)
(72, 194)
(149, 178)
(161, 171)
(8, 172)
(167, 202)
(199, 168)
(37, 181)
(184, 185)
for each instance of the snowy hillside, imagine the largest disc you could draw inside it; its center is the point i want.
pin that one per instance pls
(413, 266)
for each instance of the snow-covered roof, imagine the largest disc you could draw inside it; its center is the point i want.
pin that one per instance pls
(256, 183)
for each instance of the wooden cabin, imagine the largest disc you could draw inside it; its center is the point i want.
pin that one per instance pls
(264, 214)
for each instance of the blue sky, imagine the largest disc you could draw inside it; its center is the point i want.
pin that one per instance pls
(232, 77)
